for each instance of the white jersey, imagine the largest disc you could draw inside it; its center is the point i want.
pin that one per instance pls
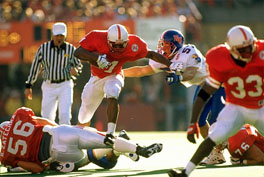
(190, 56)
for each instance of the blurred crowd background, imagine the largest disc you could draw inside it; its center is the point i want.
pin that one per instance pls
(147, 102)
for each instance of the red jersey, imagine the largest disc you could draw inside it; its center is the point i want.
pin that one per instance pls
(243, 85)
(243, 140)
(96, 41)
(21, 139)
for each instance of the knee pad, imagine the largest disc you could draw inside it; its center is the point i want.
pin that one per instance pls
(103, 162)
(112, 91)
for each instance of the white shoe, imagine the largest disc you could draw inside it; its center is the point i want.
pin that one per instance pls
(215, 157)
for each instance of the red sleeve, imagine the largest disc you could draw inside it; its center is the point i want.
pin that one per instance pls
(88, 42)
(214, 62)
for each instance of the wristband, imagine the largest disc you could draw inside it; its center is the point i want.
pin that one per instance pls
(111, 128)
(28, 85)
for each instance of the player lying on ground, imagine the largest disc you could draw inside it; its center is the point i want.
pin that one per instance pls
(247, 146)
(34, 143)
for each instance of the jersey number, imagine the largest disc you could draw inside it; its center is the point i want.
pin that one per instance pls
(243, 146)
(25, 131)
(240, 89)
(110, 69)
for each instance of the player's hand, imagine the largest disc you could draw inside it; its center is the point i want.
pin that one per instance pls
(176, 66)
(109, 139)
(193, 129)
(172, 78)
(28, 93)
(102, 62)
(235, 161)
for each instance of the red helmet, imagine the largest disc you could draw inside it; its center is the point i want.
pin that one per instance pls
(117, 37)
(241, 42)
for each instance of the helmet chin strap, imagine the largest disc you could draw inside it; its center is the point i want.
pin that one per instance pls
(237, 57)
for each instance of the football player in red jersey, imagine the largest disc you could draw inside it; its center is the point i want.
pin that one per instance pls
(239, 65)
(246, 146)
(35, 143)
(107, 51)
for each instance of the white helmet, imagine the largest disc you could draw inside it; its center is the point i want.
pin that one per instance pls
(241, 37)
(117, 37)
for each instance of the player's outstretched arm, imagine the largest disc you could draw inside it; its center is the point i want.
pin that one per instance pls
(85, 55)
(44, 121)
(189, 73)
(138, 71)
(158, 58)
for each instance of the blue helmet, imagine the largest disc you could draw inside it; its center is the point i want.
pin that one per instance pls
(170, 42)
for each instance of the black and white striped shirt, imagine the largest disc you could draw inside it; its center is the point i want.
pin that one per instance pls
(55, 62)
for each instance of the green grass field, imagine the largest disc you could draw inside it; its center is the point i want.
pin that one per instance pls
(175, 154)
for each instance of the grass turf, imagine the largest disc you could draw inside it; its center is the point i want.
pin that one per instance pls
(175, 154)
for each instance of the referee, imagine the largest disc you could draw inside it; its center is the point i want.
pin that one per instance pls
(55, 60)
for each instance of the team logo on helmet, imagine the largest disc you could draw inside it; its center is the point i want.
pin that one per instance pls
(134, 47)
(177, 38)
(261, 54)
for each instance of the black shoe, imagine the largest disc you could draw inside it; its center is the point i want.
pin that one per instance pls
(123, 134)
(177, 173)
(149, 151)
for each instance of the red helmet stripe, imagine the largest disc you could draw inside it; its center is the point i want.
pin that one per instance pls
(119, 32)
(244, 34)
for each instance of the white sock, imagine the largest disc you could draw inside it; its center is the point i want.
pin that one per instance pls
(123, 145)
(189, 168)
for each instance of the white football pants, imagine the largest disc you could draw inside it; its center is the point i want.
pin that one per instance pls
(54, 95)
(232, 118)
(68, 142)
(94, 92)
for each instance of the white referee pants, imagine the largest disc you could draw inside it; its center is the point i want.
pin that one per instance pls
(57, 95)
(94, 92)
(232, 118)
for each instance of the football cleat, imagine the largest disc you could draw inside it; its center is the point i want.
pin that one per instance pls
(177, 173)
(123, 134)
(215, 157)
(149, 151)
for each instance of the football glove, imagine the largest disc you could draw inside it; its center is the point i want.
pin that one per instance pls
(193, 129)
(102, 62)
(172, 78)
(109, 139)
(176, 66)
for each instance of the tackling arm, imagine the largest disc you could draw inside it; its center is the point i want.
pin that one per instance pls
(138, 71)
(44, 121)
(85, 55)
(189, 73)
(158, 58)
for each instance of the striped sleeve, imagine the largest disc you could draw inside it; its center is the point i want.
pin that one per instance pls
(34, 70)
(75, 62)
